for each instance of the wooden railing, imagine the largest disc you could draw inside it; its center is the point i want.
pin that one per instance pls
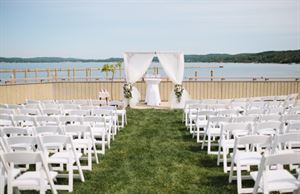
(18, 93)
(16, 76)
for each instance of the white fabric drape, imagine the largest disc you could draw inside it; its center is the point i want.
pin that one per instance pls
(136, 65)
(173, 64)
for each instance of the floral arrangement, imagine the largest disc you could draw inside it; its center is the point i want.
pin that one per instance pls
(127, 89)
(178, 90)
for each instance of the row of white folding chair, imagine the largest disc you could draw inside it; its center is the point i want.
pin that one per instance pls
(231, 130)
(84, 137)
(102, 127)
(70, 111)
(248, 151)
(58, 150)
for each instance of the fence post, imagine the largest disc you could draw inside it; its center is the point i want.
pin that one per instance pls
(74, 73)
(55, 74)
(25, 75)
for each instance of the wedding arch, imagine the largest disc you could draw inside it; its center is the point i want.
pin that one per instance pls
(136, 65)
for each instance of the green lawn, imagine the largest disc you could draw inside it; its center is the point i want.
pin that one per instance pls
(155, 154)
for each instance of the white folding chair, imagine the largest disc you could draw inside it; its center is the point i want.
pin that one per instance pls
(64, 153)
(40, 179)
(110, 119)
(121, 111)
(227, 138)
(201, 122)
(83, 139)
(213, 131)
(100, 130)
(268, 179)
(253, 146)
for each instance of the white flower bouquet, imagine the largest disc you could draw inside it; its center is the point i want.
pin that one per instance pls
(127, 90)
(178, 90)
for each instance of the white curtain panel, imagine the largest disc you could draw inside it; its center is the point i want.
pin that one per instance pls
(173, 64)
(136, 65)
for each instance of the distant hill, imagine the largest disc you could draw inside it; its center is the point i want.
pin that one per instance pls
(292, 56)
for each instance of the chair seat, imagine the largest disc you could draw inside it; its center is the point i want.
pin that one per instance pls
(266, 132)
(228, 143)
(63, 157)
(214, 131)
(247, 158)
(82, 143)
(240, 132)
(32, 178)
(201, 123)
(278, 180)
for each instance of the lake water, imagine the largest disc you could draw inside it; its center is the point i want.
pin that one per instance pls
(269, 70)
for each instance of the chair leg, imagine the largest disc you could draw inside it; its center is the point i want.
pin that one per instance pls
(231, 170)
(225, 160)
(70, 177)
(239, 178)
(209, 144)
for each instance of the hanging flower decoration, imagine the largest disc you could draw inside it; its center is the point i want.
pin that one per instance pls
(127, 89)
(178, 90)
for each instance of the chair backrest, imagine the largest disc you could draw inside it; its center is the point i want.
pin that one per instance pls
(285, 141)
(64, 101)
(15, 131)
(7, 111)
(79, 112)
(291, 117)
(24, 120)
(70, 120)
(21, 143)
(47, 120)
(270, 117)
(29, 111)
(52, 111)
(98, 102)
(79, 131)
(294, 110)
(255, 111)
(70, 107)
(51, 106)
(228, 113)
(277, 126)
(282, 158)
(293, 126)
(94, 121)
(276, 110)
(245, 119)
(261, 140)
(216, 121)
(83, 102)
(228, 129)
(102, 112)
(54, 142)
(14, 106)
(48, 130)
(118, 104)
(6, 120)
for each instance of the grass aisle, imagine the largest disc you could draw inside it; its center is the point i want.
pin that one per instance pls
(155, 154)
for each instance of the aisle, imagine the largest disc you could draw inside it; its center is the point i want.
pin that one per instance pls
(155, 154)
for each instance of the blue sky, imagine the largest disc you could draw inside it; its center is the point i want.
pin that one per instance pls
(107, 28)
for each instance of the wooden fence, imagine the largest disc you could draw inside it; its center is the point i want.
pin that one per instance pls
(18, 93)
